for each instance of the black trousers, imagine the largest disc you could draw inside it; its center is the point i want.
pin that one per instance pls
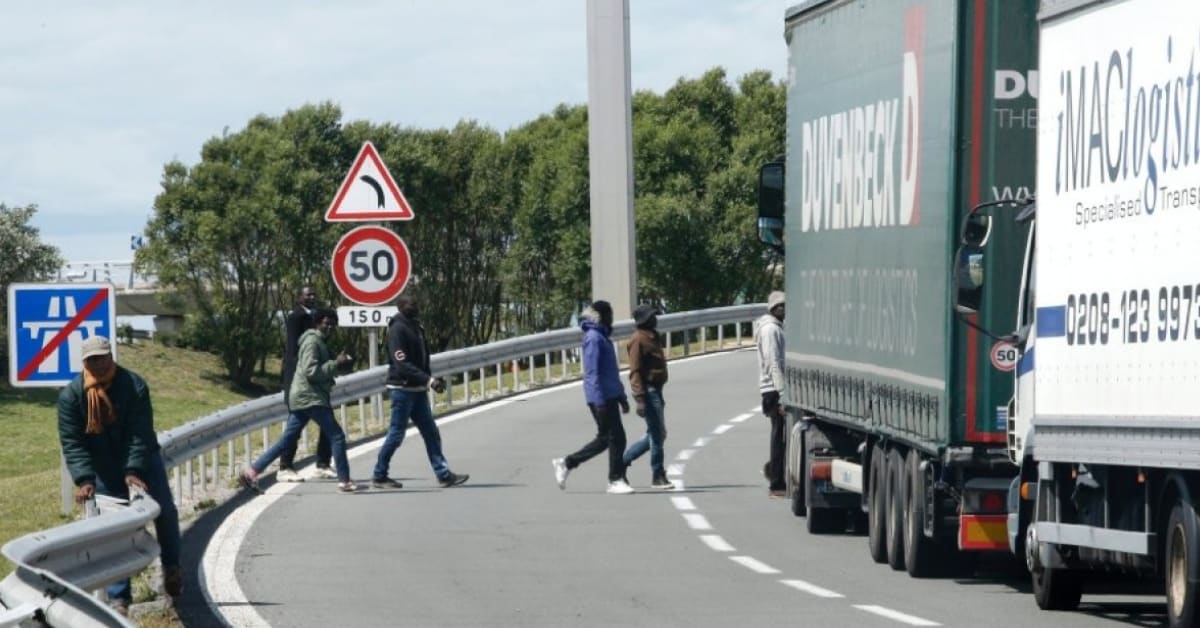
(778, 447)
(610, 435)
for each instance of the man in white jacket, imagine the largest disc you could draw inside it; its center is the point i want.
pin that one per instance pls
(768, 337)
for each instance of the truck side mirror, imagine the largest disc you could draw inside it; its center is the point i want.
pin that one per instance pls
(976, 229)
(968, 278)
(771, 205)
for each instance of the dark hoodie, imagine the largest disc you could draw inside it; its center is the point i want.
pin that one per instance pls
(408, 357)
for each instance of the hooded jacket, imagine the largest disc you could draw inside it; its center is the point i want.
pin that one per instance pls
(315, 370)
(647, 363)
(768, 336)
(601, 379)
(408, 357)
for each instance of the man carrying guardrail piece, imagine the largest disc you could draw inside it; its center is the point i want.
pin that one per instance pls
(106, 428)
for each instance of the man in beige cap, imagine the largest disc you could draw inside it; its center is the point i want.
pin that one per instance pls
(768, 337)
(106, 428)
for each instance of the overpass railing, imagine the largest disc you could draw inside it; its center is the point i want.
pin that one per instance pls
(205, 455)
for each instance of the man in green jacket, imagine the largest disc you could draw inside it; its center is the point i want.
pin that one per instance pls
(308, 400)
(106, 428)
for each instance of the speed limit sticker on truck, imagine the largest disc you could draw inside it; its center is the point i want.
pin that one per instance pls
(1004, 356)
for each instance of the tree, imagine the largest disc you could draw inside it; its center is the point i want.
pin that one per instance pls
(26, 258)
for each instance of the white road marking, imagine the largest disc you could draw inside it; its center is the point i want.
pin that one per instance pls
(716, 543)
(754, 564)
(696, 521)
(674, 469)
(741, 417)
(700, 442)
(809, 587)
(678, 482)
(722, 428)
(683, 503)
(755, 409)
(685, 454)
(883, 611)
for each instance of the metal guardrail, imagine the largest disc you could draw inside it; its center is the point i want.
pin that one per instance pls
(56, 566)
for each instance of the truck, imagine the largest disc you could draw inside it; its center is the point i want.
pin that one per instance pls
(901, 116)
(1104, 424)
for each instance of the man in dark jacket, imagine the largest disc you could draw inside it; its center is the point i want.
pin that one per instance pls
(647, 376)
(605, 398)
(106, 428)
(408, 382)
(298, 321)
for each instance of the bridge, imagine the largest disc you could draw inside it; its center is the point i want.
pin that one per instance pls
(136, 295)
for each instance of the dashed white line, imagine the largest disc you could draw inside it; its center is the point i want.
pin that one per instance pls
(678, 482)
(674, 469)
(716, 543)
(755, 409)
(809, 587)
(700, 442)
(741, 417)
(696, 521)
(722, 428)
(683, 503)
(685, 454)
(905, 618)
(754, 564)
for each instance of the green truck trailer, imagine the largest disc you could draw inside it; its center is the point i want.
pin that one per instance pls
(901, 116)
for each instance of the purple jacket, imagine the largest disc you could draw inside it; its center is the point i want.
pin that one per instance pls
(601, 380)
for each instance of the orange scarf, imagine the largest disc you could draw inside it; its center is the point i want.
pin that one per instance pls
(99, 407)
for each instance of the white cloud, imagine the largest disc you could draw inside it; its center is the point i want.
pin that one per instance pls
(96, 97)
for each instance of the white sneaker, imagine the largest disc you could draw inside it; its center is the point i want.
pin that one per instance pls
(326, 473)
(288, 475)
(560, 472)
(619, 487)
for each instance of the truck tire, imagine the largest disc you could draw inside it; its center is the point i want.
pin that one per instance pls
(920, 551)
(896, 506)
(820, 520)
(1057, 589)
(876, 504)
(796, 451)
(1182, 563)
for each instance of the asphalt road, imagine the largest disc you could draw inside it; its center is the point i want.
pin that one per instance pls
(510, 549)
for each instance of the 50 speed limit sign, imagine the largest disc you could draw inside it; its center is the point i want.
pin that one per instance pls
(371, 265)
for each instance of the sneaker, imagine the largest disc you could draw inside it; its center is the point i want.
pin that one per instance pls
(560, 472)
(288, 475)
(777, 493)
(173, 581)
(326, 473)
(453, 479)
(248, 479)
(661, 482)
(347, 487)
(385, 483)
(619, 487)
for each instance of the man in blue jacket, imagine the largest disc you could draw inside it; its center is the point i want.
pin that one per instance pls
(605, 398)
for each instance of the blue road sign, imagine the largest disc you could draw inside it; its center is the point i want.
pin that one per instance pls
(47, 323)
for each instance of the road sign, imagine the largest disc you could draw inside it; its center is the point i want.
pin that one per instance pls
(364, 316)
(368, 193)
(371, 265)
(47, 323)
(1004, 356)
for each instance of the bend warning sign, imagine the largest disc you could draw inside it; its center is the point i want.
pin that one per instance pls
(368, 193)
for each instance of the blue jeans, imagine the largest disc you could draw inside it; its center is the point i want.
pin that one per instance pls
(166, 525)
(323, 416)
(656, 433)
(414, 405)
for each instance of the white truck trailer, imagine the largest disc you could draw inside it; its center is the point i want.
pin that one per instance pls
(1105, 420)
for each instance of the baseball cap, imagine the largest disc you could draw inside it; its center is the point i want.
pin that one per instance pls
(94, 346)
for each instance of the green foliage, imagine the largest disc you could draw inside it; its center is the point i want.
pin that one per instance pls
(25, 258)
(501, 239)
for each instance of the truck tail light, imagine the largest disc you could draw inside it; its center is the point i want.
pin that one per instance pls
(821, 470)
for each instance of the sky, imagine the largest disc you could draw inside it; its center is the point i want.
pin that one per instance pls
(96, 97)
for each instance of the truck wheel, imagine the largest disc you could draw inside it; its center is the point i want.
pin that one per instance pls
(820, 520)
(919, 551)
(797, 485)
(896, 505)
(1182, 564)
(1057, 589)
(877, 504)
